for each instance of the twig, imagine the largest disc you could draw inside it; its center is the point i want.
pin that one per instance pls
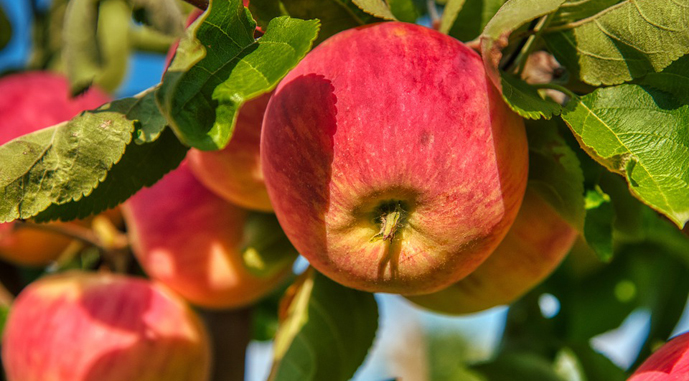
(553, 86)
(530, 43)
(230, 333)
(433, 13)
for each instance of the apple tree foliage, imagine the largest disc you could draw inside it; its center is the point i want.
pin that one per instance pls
(608, 132)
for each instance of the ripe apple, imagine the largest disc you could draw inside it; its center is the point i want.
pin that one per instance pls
(391, 161)
(208, 250)
(31, 101)
(234, 173)
(537, 242)
(669, 363)
(95, 326)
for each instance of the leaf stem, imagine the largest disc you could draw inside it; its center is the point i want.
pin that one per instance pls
(200, 4)
(69, 230)
(553, 86)
(531, 42)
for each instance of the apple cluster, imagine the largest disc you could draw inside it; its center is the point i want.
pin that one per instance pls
(386, 158)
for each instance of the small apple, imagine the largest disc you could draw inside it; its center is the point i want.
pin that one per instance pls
(103, 327)
(31, 101)
(234, 173)
(392, 163)
(535, 245)
(208, 250)
(669, 363)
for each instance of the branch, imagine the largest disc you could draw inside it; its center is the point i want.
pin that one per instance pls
(230, 333)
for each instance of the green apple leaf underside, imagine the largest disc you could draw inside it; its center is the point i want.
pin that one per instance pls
(404, 10)
(465, 19)
(622, 42)
(640, 133)
(555, 172)
(87, 164)
(525, 100)
(511, 16)
(327, 333)
(62, 163)
(210, 78)
(5, 29)
(376, 8)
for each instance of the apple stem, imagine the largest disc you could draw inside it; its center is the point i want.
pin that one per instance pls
(390, 223)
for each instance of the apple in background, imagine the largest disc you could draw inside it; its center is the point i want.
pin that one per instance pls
(392, 163)
(101, 327)
(234, 173)
(31, 101)
(535, 245)
(208, 250)
(669, 363)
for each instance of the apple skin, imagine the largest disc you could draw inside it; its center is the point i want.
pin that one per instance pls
(669, 363)
(194, 242)
(384, 114)
(234, 173)
(31, 101)
(536, 244)
(103, 327)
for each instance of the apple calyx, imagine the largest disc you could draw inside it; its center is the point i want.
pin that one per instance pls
(392, 218)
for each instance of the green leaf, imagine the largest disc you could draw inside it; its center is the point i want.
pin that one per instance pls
(622, 42)
(574, 10)
(511, 16)
(326, 333)
(525, 99)
(674, 79)
(65, 162)
(639, 133)
(5, 29)
(154, 152)
(520, 365)
(376, 8)
(96, 47)
(265, 248)
(596, 367)
(404, 10)
(598, 223)
(265, 10)
(465, 19)
(335, 15)
(555, 172)
(204, 87)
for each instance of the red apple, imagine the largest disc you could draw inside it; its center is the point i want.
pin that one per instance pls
(391, 161)
(535, 245)
(208, 250)
(95, 326)
(669, 363)
(29, 102)
(234, 173)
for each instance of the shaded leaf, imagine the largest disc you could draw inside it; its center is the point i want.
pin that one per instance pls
(334, 15)
(5, 29)
(404, 10)
(598, 223)
(65, 162)
(326, 331)
(641, 134)
(511, 16)
(95, 43)
(596, 367)
(525, 100)
(674, 79)
(555, 172)
(165, 16)
(519, 366)
(378, 8)
(204, 87)
(465, 19)
(624, 41)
